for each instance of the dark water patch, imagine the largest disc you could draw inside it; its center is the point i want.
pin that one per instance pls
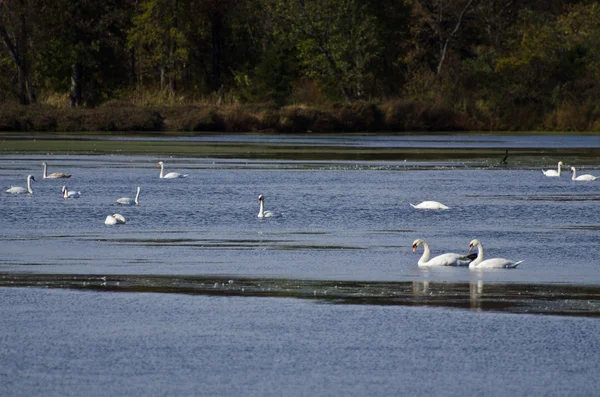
(548, 299)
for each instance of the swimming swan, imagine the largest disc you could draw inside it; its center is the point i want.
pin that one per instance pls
(429, 205)
(67, 194)
(449, 259)
(170, 175)
(262, 213)
(116, 219)
(130, 201)
(585, 177)
(553, 172)
(493, 263)
(20, 190)
(54, 175)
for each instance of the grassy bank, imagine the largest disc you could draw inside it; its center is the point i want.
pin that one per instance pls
(123, 116)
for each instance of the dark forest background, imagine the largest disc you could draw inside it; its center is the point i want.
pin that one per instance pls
(474, 64)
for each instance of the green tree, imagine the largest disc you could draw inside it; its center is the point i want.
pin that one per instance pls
(336, 41)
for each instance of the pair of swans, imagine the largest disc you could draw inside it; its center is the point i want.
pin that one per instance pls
(452, 259)
(115, 219)
(54, 175)
(70, 195)
(574, 177)
(130, 201)
(170, 175)
(21, 190)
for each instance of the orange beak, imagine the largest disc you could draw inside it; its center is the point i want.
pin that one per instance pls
(414, 248)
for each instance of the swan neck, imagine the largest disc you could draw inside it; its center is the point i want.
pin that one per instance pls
(426, 253)
(29, 186)
(261, 211)
(162, 170)
(574, 176)
(45, 174)
(479, 258)
(558, 169)
(137, 195)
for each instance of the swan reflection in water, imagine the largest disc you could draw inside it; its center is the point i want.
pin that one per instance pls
(420, 288)
(475, 294)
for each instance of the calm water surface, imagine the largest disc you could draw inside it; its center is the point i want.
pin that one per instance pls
(342, 233)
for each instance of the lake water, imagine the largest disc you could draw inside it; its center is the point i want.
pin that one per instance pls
(342, 235)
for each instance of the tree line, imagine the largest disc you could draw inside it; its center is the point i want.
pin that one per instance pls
(505, 63)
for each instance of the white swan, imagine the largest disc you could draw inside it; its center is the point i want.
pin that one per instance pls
(54, 175)
(170, 175)
(19, 189)
(553, 172)
(449, 259)
(585, 177)
(429, 205)
(130, 201)
(261, 212)
(115, 219)
(493, 263)
(68, 195)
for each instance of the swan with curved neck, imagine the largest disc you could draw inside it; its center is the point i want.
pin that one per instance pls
(429, 205)
(54, 175)
(170, 175)
(554, 172)
(21, 190)
(261, 212)
(449, 259)
(67, 194)
(130, 201)
(115, 219)
(493, 263)
(584, 177)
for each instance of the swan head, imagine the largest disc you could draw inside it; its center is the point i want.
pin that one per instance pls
(31, 177)
(560, 163)
(416, 243)
(120, 218)
(572, 169)
(160, 164)
(260, 198)
(474, 243)
(44, 164)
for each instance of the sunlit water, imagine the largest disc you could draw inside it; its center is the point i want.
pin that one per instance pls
(342, 233)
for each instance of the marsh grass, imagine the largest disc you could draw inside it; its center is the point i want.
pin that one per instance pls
(361, 116)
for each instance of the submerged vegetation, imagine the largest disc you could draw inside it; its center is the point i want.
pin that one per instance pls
(299, 65)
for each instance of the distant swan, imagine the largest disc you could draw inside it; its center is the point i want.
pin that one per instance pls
(115, 219)
(585, 177)
(262, 213)
(67, 194)
(553, 172)
(429, 205)
(449, 259)
(493, 263)
(54, 175)
(170, 175)
(130, 201)
(20, 190)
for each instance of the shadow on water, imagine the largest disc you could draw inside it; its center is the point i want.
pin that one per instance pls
(548, 299)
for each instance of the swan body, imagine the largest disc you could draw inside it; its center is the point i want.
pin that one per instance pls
(21, 190)
(54, 175)
(585, 177)
(115, 219)
(69, 195)
(130, 201)
(429, 205)
(261, 212)
(553, 173)
(170, 175)
(493, 263)
(449, 259)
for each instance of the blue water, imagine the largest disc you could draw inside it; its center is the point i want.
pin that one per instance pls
(339, 250)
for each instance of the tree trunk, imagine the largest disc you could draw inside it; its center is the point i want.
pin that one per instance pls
(76, 92)
(216, 28)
